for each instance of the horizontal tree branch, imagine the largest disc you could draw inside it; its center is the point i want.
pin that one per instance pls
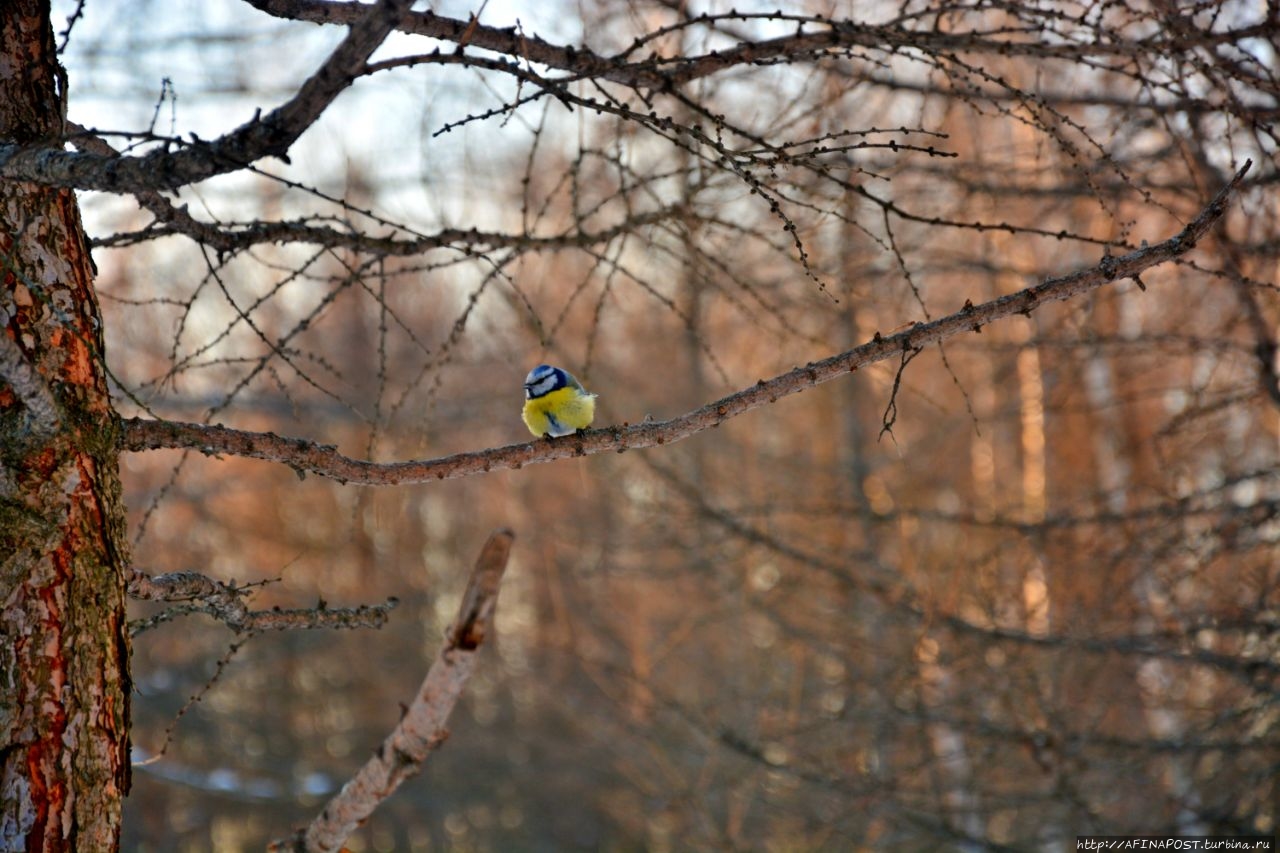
(197, 593)
(815, 36)
(421, 729)
(234, 238)
(172, 219)
(659, 73)
(138, 434)
(266, 136)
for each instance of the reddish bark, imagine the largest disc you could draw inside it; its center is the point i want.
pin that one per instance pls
(64, 709)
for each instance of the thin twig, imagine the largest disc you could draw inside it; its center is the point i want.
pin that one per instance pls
(193, 700)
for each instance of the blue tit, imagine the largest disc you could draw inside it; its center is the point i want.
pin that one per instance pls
(555, 403)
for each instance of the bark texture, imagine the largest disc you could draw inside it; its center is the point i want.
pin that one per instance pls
(64, 692)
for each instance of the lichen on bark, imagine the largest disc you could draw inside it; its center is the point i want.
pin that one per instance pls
(64, 692)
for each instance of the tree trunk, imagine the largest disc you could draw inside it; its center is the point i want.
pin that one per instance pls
(64, 693)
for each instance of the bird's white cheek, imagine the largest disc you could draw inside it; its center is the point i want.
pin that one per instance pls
(540, 388)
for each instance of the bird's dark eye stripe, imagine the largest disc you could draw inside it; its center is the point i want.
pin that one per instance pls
(543, 386)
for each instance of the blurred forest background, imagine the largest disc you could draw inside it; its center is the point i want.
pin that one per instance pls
(1046, 602)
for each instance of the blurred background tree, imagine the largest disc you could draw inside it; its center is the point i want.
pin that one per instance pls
(1019, 587)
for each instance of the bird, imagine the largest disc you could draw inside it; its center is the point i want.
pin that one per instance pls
(555, 403)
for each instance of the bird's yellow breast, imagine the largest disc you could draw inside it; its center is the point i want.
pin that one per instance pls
(560, 412)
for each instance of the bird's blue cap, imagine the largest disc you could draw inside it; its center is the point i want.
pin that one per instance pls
(544, 379)
(542, 371)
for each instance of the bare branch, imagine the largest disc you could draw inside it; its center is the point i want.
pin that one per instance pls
(226, 603)
(890, 416)
(267, 136)
(42, 417)
(421, 729)
(305, 456)
(828, 35)
(236, 238)
(172, 219)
